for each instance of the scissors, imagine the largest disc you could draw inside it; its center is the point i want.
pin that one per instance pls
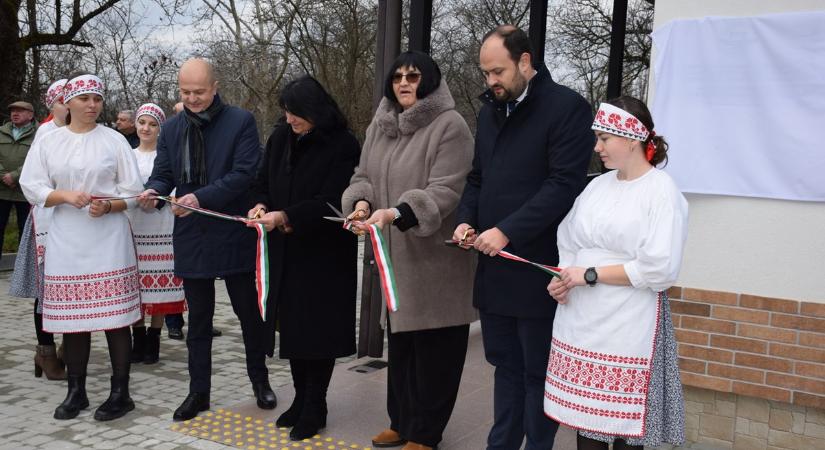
(341, 218)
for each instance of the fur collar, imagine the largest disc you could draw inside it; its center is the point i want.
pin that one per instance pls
(392, 121)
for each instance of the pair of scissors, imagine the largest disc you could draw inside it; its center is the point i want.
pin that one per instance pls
(341, 218)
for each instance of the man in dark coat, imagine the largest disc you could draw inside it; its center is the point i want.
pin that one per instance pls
(210, 154)
(533, 145)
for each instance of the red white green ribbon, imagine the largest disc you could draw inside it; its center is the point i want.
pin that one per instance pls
(552, 270)
(385, 271)
(261, 256)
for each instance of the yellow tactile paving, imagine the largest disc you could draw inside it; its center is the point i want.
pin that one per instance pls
(231, 428)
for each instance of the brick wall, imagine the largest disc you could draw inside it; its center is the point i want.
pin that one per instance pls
(761, 347)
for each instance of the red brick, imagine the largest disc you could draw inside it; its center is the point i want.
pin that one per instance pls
(769, 304)
(706, 382)
(692, 337)
(810, 400)
(740, 314)
(809, 369)
(812, 309)
(798, 322)
(712, 325)
(715, 297)
(693, 309)
(674, 292)
(812, 339)
(737, 343)
(764, 362)
(692, 365)
(736, 373)
(677, 320)
(705, 353)
(768, 333)
(798, 353)
(761, 391)
(795, 383)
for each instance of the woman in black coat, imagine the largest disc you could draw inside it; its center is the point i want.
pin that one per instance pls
(309, 160)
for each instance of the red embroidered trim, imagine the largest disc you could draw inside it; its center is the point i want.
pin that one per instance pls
(597, 376)
(640, 400)
(594, 411)
(91, 276)
(98, 315)
(110, 287)
(160, 281)
(601, 356)
(151, 309)
(88, 305)
(165, 257)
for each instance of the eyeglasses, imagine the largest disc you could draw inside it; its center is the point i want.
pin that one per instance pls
(412, 77)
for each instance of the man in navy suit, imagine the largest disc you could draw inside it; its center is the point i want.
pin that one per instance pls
(533, 146)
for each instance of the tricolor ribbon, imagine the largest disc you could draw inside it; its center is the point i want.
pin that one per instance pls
(385, 270)
(551, 270)
(261, 253)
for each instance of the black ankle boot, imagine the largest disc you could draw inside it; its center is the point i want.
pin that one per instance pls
(194, 403)
(138, 344)
(76, 399)
(312, 419)
(118, 403)
(152, 353)
(264, 395)
(290, 417)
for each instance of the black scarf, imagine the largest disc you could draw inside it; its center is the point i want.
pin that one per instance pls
(193, 160)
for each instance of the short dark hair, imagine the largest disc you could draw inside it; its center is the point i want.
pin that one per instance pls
(638, 108)
(515, 39)
(307, 99)
(430, 73)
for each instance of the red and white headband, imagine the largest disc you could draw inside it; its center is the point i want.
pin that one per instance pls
(151, 109)
(84, 84)
(55, 92)
(614, 120)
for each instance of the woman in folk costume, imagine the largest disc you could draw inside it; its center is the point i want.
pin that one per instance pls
(613, 371)
(27, 279)
(308, 162)
(91, 275)
(161, 292)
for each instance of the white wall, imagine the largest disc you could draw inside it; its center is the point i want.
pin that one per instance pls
(764, 247)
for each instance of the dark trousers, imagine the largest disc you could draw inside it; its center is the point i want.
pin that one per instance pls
(22, 209)
(422, 383)
(200, 297)
(519, 350)
(174, 320)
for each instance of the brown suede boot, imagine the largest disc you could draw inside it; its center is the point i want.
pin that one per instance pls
(45, 360)
(388, 438)
(416, 446)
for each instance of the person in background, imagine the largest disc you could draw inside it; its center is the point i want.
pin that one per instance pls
(125, 124)
(161, 292)
(27, 278)
(16, 138)
(416, 156)
(91, 277)
(621, 249)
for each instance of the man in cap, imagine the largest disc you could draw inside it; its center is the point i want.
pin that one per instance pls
(16, 137)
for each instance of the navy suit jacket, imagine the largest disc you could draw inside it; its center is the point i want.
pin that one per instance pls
(527, 171)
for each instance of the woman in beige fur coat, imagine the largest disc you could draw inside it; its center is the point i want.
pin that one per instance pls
(414, 163)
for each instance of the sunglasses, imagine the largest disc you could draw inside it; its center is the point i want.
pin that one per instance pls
(412, 77)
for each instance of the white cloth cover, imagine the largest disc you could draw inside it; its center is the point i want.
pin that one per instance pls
(153, 239)
(741, 102)
(600, 357)
(90, 267)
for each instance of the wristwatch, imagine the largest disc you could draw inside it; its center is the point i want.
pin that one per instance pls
(590, 276)
(397, 214)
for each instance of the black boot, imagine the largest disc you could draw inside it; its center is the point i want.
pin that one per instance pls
(290, 417)
(118, 403)
(152, 353)
(314, 413)
(194, 403)
(76, 399)
(265, 396)
(138, 344)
